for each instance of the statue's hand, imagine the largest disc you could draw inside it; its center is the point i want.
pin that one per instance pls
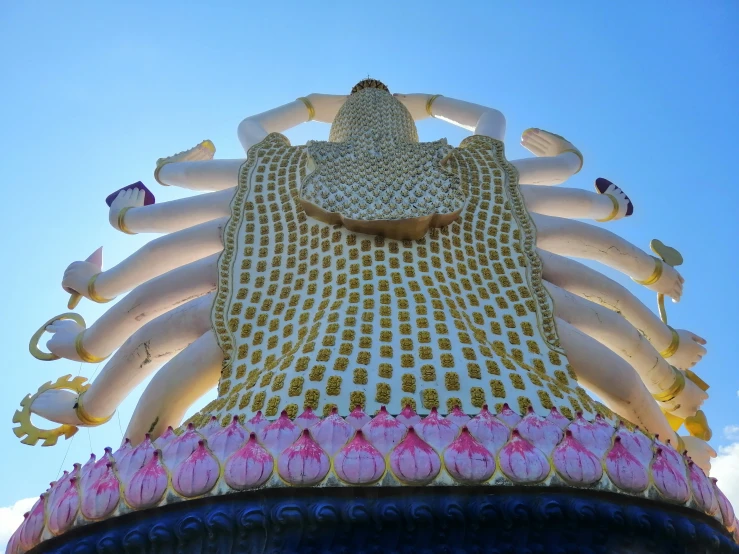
(62, 342)
(129, 198)
(670, 283)
(77, 276)
(689, 400)
(326, 106)
(416, 104)
(57, 406)
(700, 452)
(689, 352)
(544, 144)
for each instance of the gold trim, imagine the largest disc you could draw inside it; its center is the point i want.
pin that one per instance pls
(33, 348)
(32, 433)
(311, 109)
(85, 418)
(654, 277)
(614, 211)
(430, 103)
(697, 380)
(121, 221)
(84, 355)
(577, 153)
(91, 291)
(676, 388)
(674, 345)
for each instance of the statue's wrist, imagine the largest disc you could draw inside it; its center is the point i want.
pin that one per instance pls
(655, 276)
(92, 290)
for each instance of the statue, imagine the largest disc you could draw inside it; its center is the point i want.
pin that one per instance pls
(375, 274)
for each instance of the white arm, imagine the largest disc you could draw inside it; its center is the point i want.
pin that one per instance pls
(318, 107)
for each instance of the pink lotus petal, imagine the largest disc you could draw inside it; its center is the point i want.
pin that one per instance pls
(702, 489)
(165, 438)
(359, 463)
(458, 417)
(522, 462)
(668, 479)
(332, 433)
(135, 459)
(676, 458)
(408, 416)
(592, 436)
(508, 416)
(99, 468)
(228, 440)
(384, 431)
(437, 431)
(488, 430)
(555, 417)
(14, 544)
(307, 419)
(625, 471)
(727, 510)
(33, 525)
(248, 467)
(124, 449)
(102, 495)
(467, 460)
(358, 418)
(279, 434)
(637, 443)
(413, 461)
(197, 474)
(64, 510)
(575, 463)
(87, 468)
(179, 449)
(211, 428)
(303, 463)
(60, 488)
(257, 423)
(539, 431)
(147, 486)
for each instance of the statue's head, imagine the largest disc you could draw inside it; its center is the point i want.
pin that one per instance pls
(372, 112)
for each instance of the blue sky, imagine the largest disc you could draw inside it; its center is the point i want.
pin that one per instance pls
(93, 93)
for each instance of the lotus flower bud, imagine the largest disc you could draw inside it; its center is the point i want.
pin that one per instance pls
(539, 431)
(408, 416)
(413, 461)
(303, 463)
(197, 474)
(33, 525)
(488, 430)
(279, 434)
(147, 486)
(248, 467)
(212, 427)
(332, 433)
(575, 463)
(165, 438)
(437, 431)
(228, 440)
(625, 471)
(384, 431)
(467, 460)
(557, 418)
(257, 423)
(521, 462)
(64, 510)
(458, 417)
(135, 459)
(179, 449)
(307, 419)
(592, 436)
(101, 496)
(358, 418)
(508, 416)
(636, 442)
(359, 463)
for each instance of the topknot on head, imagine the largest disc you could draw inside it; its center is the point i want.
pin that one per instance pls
(369, 83)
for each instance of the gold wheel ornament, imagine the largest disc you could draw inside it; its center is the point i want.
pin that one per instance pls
(32, 433)
(36, 352)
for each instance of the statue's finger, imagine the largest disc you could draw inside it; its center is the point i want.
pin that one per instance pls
(699, 340)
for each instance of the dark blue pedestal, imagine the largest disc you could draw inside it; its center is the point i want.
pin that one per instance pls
(407, 520)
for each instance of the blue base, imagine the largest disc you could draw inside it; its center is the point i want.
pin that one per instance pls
(408, 520)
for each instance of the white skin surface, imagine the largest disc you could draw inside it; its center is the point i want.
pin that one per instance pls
(192, 222)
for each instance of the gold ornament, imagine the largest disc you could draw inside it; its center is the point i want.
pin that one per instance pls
(614, 211)
(674, 345)
(32, 433)
(33, 348)
(121, 221)
(654, 277)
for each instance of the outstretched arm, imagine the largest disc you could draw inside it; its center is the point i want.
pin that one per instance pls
(318, 107)
(129, 215)
(557, 159)
(481, 120)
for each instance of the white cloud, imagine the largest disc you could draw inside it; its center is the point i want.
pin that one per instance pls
(11, 517)
(725, 468)
(731, 432)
